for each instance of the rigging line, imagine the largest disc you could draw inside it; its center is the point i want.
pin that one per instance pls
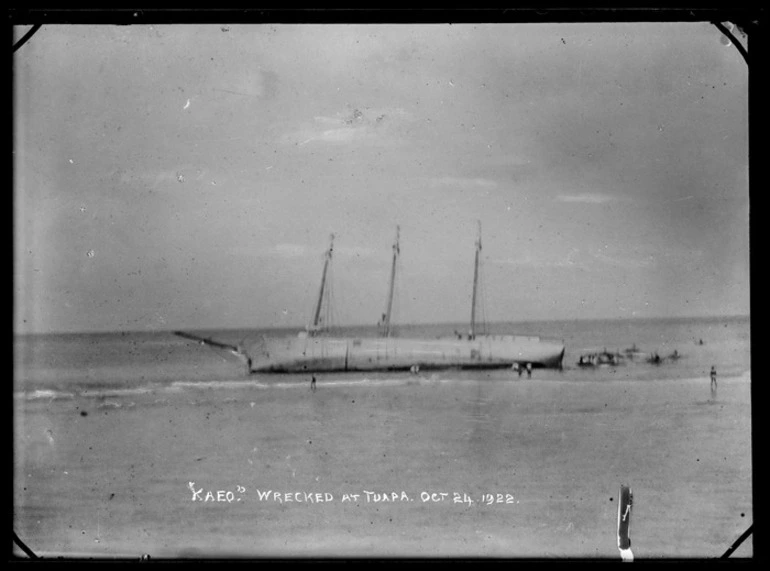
(27, 36)
(480, 299)
(246, 338)
(330, 302)
(329, 316)
(383, 321)
(311, 325)
(331, 306)
(311, 309)
(483, 304)
(394, 312)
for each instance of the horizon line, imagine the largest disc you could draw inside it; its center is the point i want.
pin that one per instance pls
(367, 325)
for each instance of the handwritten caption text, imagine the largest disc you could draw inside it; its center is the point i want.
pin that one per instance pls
(364, 497)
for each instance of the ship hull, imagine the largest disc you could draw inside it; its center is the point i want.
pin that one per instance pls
(316, 354)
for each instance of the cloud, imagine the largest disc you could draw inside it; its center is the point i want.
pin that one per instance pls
(646, 257)
(628, 262)
(586, 198)
(462, 182)
(349, 126)
(172, 178)
(541, 261)
(356, 251)
(584, 259)
(261, 83)
(288, 250)
(341, 135)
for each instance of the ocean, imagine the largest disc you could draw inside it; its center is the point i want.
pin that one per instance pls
(147, 443)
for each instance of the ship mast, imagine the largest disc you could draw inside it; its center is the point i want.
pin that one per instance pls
(317, 315)
(475, 285)
(396, 251)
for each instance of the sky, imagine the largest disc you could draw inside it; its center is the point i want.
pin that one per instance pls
(189, 176)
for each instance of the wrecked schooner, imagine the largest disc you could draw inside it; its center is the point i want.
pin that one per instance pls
(315, 350)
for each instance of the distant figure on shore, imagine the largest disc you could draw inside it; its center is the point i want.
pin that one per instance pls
(312, 383)
(713, 381)
(517, 367)
(529, 370)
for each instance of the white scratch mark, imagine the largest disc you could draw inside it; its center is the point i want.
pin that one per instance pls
(186, 105)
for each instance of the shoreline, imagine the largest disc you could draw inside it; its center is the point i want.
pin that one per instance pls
(272, 382)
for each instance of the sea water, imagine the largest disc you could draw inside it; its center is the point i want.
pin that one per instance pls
(145, 442)
(157, 360)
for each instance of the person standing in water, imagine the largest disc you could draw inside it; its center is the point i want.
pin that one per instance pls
(529, 370)
(312, 383)
(713, 381)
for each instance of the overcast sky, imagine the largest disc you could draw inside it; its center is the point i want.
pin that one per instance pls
(189, 176)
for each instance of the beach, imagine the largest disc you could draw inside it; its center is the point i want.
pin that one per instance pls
(442, 464)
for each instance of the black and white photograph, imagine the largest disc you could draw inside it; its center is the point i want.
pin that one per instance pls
(381, 289)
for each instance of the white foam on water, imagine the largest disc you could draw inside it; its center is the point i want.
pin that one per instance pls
(268, 383)
(88, 393)
(368, 382)
(44, 394)
(302, 384)
(224, 384)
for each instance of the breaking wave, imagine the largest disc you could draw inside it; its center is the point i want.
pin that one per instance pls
(122, 392)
